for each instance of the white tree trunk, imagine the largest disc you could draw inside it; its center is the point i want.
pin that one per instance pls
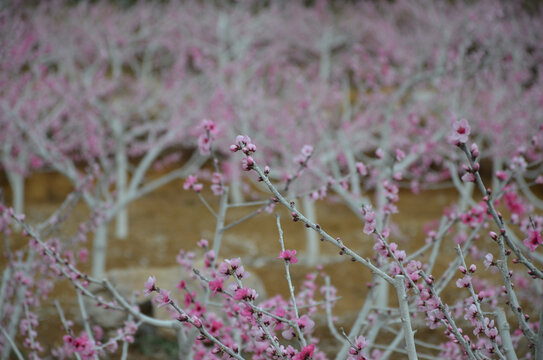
(312, 238)
(236, 192)
(121, 221)
(99, 251)
(17, 183)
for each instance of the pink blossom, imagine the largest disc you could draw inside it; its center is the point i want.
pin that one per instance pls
(305, 154)
(412, 269)
(247, 163)
(369, 217)
(502, 175)
(306, 353)
(83, 254)
(243, 142)
(305, 323)
(533, 240)
(464, 282)
(210, 126)
(400, 155)
(203, 243)
(81, 345)
(288, 256)
(361, 168)
(381, 248)
(150, 285)
(163, 298)
(234, 263)
(216, 286)
(461, 131)
(198, 187)
(196, 321)
(360, 344)
(204, 144)
(241, 273)
(471, 314)
(474, 149)
(288, 333)
(307, 150)
(488, 261)
(224, 269)
(468, 177)
(189, 183)
(247, 294)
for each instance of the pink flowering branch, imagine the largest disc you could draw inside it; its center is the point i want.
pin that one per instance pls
(298, 215)
(476, 302)
(449, 321)
(289, 258)
(498, 219)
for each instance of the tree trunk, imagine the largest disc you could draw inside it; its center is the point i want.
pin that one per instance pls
(236, 192)
(121, 221)
(99, 251)
(312, 238)
(17, 183)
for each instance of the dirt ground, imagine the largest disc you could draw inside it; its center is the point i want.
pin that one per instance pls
(171, 219)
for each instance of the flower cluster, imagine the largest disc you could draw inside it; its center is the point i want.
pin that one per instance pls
(191, 183)
(205, 140)
(369, 218)
(288, 256)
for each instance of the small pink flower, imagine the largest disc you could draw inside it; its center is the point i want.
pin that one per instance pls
(400, 155)
(307, 150)
(471, 314)
(197, 322)
(461, 131)
(288, 256)
(533, 240)
(204, 144)
(234, 263)
(247, 294)
(361, 168)
(305, 323)
(360, 344)
(464, 282)
(203, 243)
(488, 261)
(198, 187)
(502, 175)
(306, 353)
(189, 183)
(83, 255)
(247, 163)
(468, 177)
(216, 286)
(224, 269)
(210, 126)
(369, 217)
(150, 285)
(163, 298)
(474, 149)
